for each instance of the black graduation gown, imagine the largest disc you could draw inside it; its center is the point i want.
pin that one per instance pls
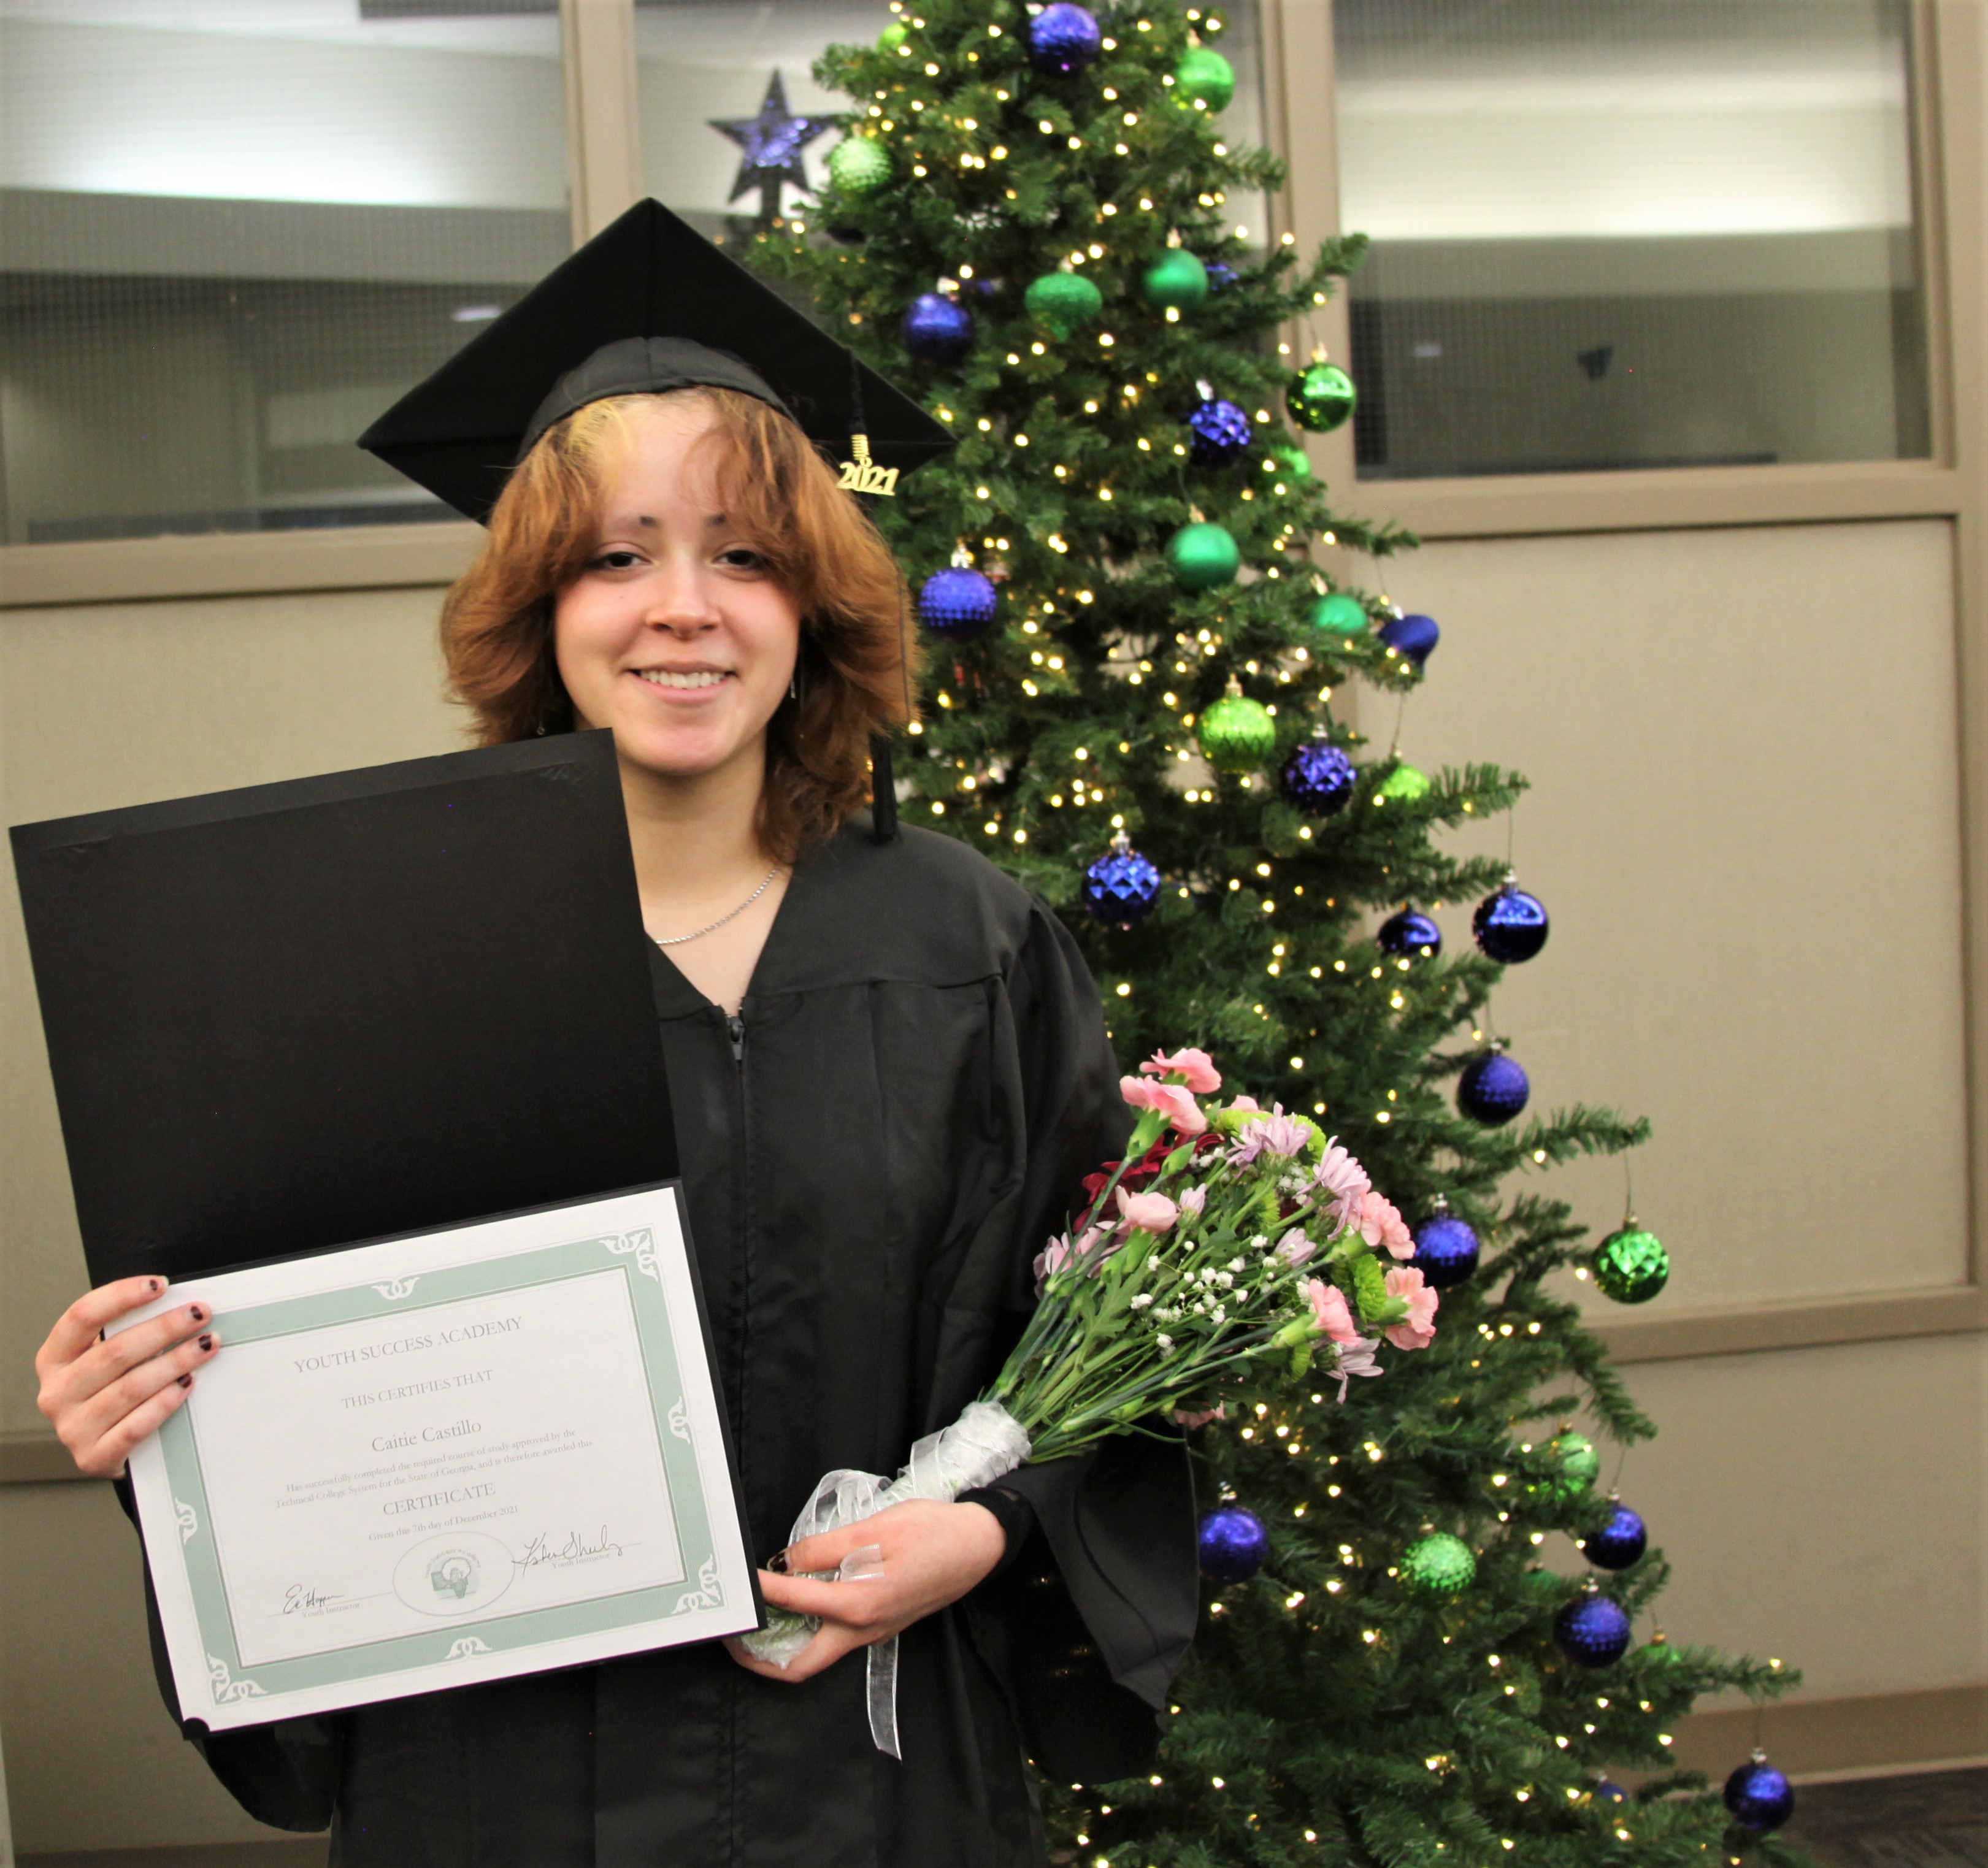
(873, 1153)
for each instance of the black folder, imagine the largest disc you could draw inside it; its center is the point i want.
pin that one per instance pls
(293, 1017)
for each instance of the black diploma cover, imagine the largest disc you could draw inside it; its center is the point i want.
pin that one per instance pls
(289, 1018)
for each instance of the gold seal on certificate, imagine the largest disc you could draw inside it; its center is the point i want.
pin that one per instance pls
(450, 1458)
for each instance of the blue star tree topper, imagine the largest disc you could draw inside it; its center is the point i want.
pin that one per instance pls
(772, 142)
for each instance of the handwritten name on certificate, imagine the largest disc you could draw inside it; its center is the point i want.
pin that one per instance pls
(458, 1457)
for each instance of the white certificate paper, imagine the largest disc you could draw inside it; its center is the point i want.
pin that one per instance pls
(457, 1457)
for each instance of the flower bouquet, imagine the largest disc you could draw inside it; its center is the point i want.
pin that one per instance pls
(1233, 1244)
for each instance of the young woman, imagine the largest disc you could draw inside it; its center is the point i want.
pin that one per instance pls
(889, 1071)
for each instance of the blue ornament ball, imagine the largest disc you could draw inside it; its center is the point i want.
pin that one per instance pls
(1445, 1251)
(1221, 275)
(936, 330)
(1121, 888)
(1605, 1791)
(1619, 1542)
(1411, 637)
(1318, 778)
(1410, 934)
(1234, 1545)
(957, 603)
(1221, 433)
(1492, 1089)
(1062, 39)
(1592, 1631)
(1759, 1796)
(1510, 926)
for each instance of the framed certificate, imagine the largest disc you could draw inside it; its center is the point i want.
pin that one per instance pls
(453, 1456)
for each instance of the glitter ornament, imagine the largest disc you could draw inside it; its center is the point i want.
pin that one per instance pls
(958, 602)
(1620, 1542)
(1438, 1565)
(936, 330)
(1205, 78)
(859, 166)
(1509, 925)
(1233, 1544)
(1062, 39)
(1219, 431)
(1409, 934)
(1407, 782)
(1337, 614)
(1221, 275)
(1592, 1631)
(1492, 1089)
(1203, 557)
(1320, 396)
(1121, 888)
(1176, 278)
(1063, 303)
(1411, 637)
(1237, 734)
(1759, 1796)
(1630, 1266)
(1318, 777)
(1580, 1465)
(1446, 1248)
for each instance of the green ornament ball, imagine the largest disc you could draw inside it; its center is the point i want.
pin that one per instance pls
(1204, 77)
(1203, 557)
(859, 165)
(1176, 278)
(1237, 735)
(1062, 303)
(1320, 396)
(892, 36)
(1338, 614)
(1406, 782)
(1630, 1266)
(1293, 465)
(1580, 1465)
(1438, 1564)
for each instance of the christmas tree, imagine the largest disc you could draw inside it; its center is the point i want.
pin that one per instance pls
(1129, 703)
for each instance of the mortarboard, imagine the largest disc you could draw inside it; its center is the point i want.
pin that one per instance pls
(647, 304)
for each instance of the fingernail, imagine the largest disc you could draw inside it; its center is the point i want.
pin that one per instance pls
(777, 1562)
(207, 1342)
(186, 1381)
(157, 1285)
(198, 1315)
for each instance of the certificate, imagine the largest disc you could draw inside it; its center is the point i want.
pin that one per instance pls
(447, 1458)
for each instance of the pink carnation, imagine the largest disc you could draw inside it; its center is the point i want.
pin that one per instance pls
(1219, 1412)
(1195, 1069)
(1149, 1212)
(1051, 1259)
(1179, 1108)
(1061, 1252)
(1245, 1102)
(1419, 1331)
(1330, 1314)
(1380, 1224)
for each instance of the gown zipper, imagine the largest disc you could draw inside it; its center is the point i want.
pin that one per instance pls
(734, 1027)
(734, 1030)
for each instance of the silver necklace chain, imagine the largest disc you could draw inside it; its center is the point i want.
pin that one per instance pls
(765, 883)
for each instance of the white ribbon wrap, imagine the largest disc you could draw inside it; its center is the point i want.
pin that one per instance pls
(984, 1443)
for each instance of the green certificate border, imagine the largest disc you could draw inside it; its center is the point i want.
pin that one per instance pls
(633, 1255)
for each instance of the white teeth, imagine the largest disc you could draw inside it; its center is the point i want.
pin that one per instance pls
(669, 677)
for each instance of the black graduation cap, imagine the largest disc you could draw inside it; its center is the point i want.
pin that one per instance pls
(647, 304)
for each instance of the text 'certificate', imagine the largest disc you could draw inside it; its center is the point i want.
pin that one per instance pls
(454, 1458)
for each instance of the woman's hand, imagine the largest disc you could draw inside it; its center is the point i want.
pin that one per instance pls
(933, 1554)
(105, 1394)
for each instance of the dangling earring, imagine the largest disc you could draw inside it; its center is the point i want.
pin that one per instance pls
(794, 684)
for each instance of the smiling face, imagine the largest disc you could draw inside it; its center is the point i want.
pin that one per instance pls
(674, 634)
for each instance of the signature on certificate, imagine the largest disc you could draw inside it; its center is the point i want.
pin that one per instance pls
(301, 1598)
(577, 1548)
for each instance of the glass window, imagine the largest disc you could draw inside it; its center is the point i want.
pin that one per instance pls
(1630, 233)
(233, 231)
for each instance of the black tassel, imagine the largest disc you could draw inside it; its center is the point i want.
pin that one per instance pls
(882, 791)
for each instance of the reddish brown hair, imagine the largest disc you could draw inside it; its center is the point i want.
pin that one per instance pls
(857, 663)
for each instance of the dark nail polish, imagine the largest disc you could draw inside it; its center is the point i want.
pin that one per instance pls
(157, 1285)
(198, 1315)
(186, 1381)
(777, 1562)
(207, 1342)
